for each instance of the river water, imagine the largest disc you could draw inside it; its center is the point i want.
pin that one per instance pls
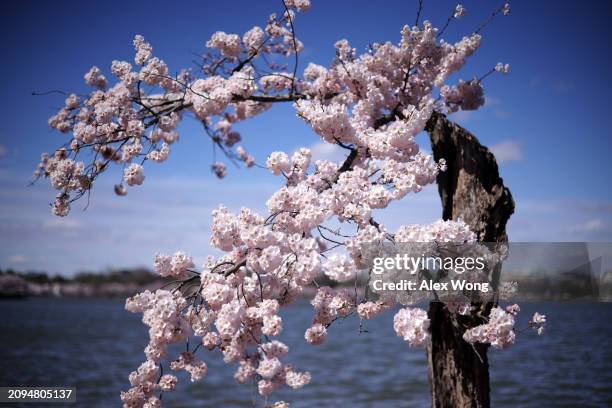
(93, 344)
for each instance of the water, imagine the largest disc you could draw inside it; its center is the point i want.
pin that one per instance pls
(93, 344)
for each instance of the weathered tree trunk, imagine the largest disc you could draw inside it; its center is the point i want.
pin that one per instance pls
(472, 190)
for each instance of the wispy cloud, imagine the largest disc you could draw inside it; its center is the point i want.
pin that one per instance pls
(62, 223)
(495, 105)
(558, 85)
(17, 259)
(327, 151)
(507, 151)
(535, 81)
(602, 207)
(594, 226)
(539, 220)
(165, 215)
(502, 114)
(491, 101)
(2, 151)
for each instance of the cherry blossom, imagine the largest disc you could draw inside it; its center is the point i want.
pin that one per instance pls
(131, 116)
(412, 325)
(498, 331)
(459, 11)
(372, 105)
(538, 323)
(503, 68)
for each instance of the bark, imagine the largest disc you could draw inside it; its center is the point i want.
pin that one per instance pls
(472, 190)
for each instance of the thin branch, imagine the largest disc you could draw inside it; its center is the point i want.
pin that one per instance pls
(491, 17)
(418, 16)
(295, 51)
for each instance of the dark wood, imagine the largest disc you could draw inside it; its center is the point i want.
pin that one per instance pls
(472, 190)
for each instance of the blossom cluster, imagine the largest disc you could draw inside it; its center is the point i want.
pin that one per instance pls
(498, 331)
(412, 324)
(131, 116)
(373, 105)
(538, 323)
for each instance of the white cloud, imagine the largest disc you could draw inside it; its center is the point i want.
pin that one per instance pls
(422, 208)
(62, 223)
(17, 259)
(590, 227)
(492, 101)
(502, 114)
(537, 219)
(164, 215)
(507, 151)
(327, 151)
(594, 206)
(2, 151)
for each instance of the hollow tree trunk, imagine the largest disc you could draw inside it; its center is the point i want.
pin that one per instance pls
(472, 190)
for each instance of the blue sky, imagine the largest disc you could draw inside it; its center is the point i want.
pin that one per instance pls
(547, 121)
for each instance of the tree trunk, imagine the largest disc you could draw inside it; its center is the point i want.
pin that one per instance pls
(472, 190)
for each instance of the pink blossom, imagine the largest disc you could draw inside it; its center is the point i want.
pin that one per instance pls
(498, 331)
(227, 44)
(339, 267)
(133, 174)
(219, 169)
(368, 310)
(363, 104)
(188, 362)
(459, 11)
(95, 78)
(269, 367)
(278, 162)
(413, 325)
(272, 325)
(316, 334)
(144, 50)
(297, 380)
(167, 382)
(245, 372)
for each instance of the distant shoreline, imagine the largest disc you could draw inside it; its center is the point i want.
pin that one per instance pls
(123, 283)
(126, 283)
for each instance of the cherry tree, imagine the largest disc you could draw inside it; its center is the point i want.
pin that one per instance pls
(372, 105)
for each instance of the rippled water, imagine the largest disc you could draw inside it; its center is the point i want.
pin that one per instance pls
(93, 344)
